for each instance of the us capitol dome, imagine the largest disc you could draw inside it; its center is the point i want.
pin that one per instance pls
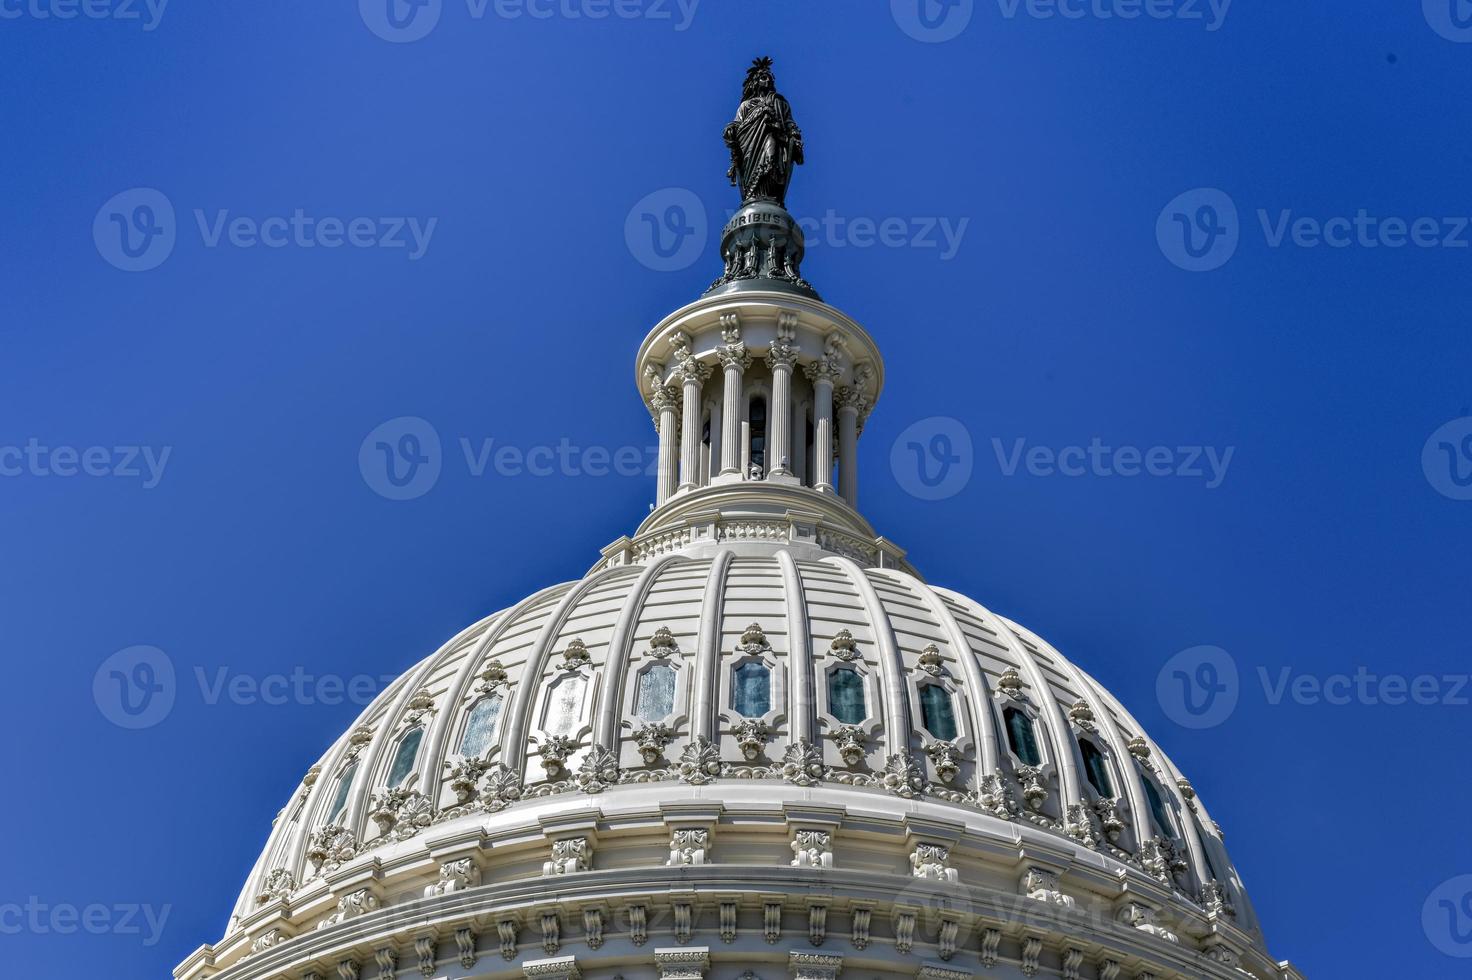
(751, 742)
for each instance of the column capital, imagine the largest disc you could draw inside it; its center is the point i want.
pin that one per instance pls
(822, 371)
(782, 353)
(734, 356)
(665, 398)
(851, 397)
(692, 372)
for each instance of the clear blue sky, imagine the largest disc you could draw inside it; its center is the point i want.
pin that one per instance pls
(256, 547)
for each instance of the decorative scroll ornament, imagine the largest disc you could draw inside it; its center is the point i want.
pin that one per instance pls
(576, 656)
(265, 941)
(688, 847)
(1082, 715)
(421, 705)
(455, 876)
(662, 644)
(802, 764)
(995, 796)
(360, 737)
(1139, 748)
(946, 759)
(812, 849)
(331, 846)
(1010, 683)
(1188, 792)
(1079, 824)
(492, 676)
(568, 856)
(555, 750)
(502, 788)
(401, 812)
(844, 647)
(598, 771)
(1042, 885)
(751, 735)
(1030, 778)
(700, 762)
(753, 641)
(1143, 917)
(931, 661)
(903, 775)
(850, 740)
(278, 885)
(932, 862)
(1107, 810)
(1162, 860)
(350, 906)
(464, 774)
(1214, 898)
(651, 738)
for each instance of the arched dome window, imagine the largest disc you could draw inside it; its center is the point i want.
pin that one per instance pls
(404, 756)
(340, 797)
(1095, 768)
(1021, 737)
(655, 696)
(937, 713)
(846, 696)
(480, 725)
(565, 704)
(1158, 810)
(751, 692)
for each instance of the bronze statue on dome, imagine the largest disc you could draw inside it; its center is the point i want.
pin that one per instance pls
(764, 141)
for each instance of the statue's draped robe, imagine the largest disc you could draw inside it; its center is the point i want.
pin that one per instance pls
(765, 144)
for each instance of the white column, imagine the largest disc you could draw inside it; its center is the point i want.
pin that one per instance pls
(665, 399)
(692, 377)
(781, 357)
(821, 373)
(734, 362)
(850, 400)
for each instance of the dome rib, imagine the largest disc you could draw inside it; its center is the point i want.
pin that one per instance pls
(801, 700)
(523, 701)
(444, 724)
(898, 726)
(1047, 705)
(978, 692)
(706, 692)
(610, 694)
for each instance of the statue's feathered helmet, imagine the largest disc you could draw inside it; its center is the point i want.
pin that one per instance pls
(758, 78)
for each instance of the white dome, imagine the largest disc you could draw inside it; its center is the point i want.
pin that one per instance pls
(750, 743)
